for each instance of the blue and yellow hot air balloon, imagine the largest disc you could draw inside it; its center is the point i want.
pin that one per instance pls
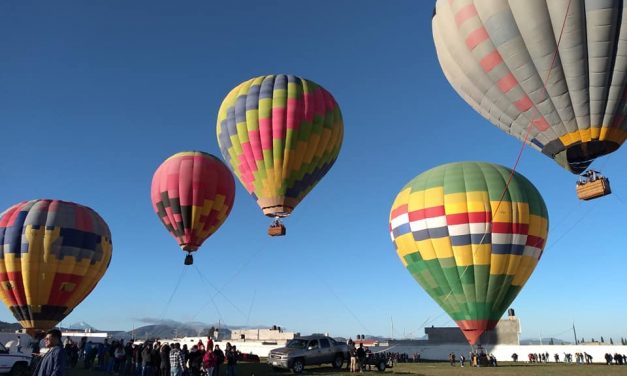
(53, 254)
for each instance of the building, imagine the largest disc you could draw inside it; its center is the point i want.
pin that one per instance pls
(507, 332)
(274, 334)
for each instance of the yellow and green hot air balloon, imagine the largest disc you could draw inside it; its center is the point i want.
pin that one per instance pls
(280, 134)
(53, 253)
(470, 239)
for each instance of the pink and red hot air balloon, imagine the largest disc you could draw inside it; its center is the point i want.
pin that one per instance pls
(192, 193)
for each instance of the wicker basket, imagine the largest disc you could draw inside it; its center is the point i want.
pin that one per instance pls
(593, 189)
(276, 230)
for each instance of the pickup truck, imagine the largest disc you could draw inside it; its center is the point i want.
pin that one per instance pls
(14, 364)
(303, 351)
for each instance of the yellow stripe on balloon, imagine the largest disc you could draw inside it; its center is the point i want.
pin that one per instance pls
(527, 265)
(472, 254)
(404, 246)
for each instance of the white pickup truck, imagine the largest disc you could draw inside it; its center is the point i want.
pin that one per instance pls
(15, 363)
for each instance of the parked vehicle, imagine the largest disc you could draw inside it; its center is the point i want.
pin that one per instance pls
(14, 364)
(304, 351)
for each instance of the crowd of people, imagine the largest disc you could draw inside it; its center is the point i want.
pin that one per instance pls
(153, 358)
(580, 358)
(475, 359)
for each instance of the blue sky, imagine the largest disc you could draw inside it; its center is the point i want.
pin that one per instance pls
(95, 95)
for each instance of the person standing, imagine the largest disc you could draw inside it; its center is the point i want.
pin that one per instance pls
(146, 360)
(53, 363)
(209, 361)
(176, 360)
(361, 357)
(231, 361)
(164, 356)
(353, 354)
(219, 360)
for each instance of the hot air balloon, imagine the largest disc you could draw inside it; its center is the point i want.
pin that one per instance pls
(192, 193)
(551, 73)
(280, 135)
(53, 255)
(470, 238)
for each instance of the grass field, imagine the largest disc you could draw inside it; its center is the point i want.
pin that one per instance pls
(429, 369)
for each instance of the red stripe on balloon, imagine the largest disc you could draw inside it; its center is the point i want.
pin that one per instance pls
(436, 211)
(471, 217)
(476, 37)
(490, 61)
(464, 14)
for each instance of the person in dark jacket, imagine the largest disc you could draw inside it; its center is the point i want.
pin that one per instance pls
(194, 361)
(55, 360)
(361, 357)
(219, 360)
(231, 361)
(164, 354)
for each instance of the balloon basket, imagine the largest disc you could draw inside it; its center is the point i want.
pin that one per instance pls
(592, 185)
(276, 229)
(189, 259)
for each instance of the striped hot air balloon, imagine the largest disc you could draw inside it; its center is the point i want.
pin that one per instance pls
(280, 135)
(192, 193)
(53, 254)
(551, 73)
(470, 239)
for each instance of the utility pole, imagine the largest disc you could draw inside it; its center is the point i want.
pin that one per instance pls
(392, 334)
(575, 332)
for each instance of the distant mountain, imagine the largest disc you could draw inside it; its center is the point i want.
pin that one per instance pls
(9, 327)
(82, 326)
(174, 330)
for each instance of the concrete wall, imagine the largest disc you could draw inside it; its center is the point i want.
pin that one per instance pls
(503, 352)
(506, 332)
(262, 335)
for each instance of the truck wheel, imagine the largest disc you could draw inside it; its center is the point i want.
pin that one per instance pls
(298, 366)
(19, 369)
(338, 361)
(381, 366)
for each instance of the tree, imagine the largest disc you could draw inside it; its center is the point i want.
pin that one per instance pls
(592, 340)
(602, 341)
(611, 341)
(551, 342)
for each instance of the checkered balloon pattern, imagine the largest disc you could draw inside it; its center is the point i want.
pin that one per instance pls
(52, 255)
(192, 193)
(470, 239)
(280, 135)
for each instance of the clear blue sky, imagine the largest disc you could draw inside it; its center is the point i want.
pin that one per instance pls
(94, 95)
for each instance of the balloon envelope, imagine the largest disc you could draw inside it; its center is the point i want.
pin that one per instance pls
(53, 254)
(552, 73)
(192, 193)
(280, 135)
(471, 252)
